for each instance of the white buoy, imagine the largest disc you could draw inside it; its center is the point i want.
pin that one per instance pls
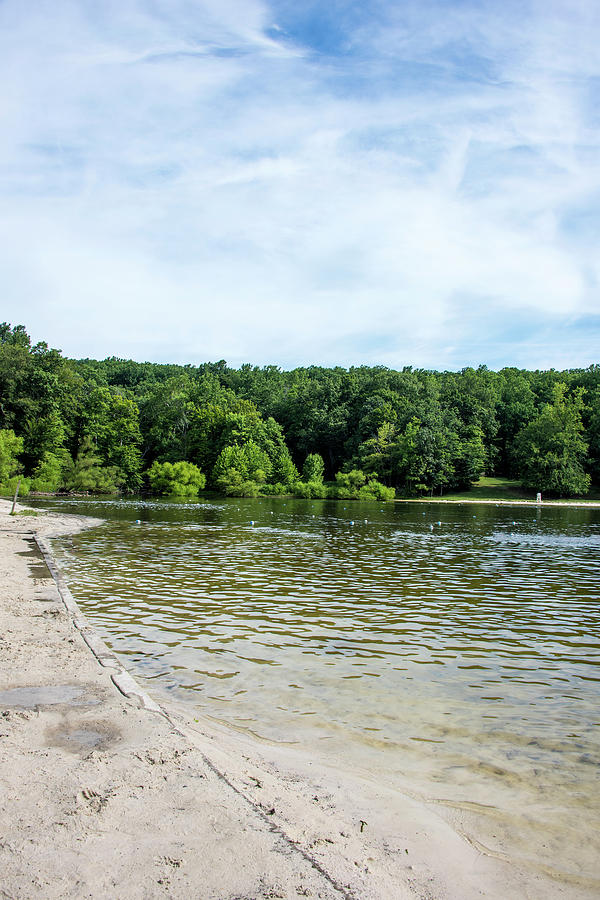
(251, 521)
(138, 521)
(352, 523)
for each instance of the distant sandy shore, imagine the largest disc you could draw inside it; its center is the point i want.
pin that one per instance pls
(532, 504)
(103, 793)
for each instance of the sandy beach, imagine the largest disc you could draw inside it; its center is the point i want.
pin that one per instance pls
(104, 793)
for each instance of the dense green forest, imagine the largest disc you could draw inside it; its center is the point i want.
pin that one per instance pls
(121, 426)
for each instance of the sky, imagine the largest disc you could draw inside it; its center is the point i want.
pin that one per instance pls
(295, 183)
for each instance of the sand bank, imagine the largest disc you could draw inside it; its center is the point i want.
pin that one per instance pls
(532, 504)
(104, 793)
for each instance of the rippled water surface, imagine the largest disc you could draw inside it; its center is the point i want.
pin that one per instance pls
(453, 651)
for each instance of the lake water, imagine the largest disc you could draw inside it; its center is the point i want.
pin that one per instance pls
(452, 651)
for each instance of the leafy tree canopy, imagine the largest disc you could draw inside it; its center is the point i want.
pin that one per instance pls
(550, 451)
(413, 431)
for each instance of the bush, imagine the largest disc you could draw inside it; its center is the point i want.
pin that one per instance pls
(310, 490)
(180, 479)
(276, 490)
(9, 486)
(347, 484)
(374, 490)
(354, 485)
(243, 489)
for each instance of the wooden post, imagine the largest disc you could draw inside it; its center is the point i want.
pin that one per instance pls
(12, 512)
(538, 498)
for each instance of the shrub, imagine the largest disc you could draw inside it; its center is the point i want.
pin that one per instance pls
(277, 489)
(310, 490)
(180, 479)
(354, 485)
(377, 491)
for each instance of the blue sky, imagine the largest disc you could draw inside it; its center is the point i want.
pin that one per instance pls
(293, 183)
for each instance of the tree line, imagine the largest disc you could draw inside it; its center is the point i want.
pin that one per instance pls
(121, 426)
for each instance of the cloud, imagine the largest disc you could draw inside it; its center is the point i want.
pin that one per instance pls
(191, 180)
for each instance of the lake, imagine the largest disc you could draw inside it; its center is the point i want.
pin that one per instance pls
(450, 650)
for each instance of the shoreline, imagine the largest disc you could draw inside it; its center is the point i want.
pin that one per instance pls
(145, 803)
(533, 504)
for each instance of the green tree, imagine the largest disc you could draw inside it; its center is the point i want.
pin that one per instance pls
(379, 454)
(550, 451)
(10, 467)
(517, 406)
(241, 469)
(49, 474)
(109, 418)
(408, 461)
(313, 468)
(35, 391)
(219, 421)
(473, 395)
(593, 433)
(471, 458)
(86, 474)
(166, 412)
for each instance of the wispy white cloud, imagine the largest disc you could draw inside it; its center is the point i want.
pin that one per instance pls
(192, 180)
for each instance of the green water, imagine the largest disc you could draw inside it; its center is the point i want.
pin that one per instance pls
(451, 651)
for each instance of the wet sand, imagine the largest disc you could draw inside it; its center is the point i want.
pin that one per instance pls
(103, 793)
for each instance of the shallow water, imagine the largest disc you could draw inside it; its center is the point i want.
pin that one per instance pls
(453, 651)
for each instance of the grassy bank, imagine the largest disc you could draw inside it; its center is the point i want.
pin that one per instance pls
(508, 490)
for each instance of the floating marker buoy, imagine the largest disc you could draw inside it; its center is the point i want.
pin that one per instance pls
(431, 527)
(251, 521)
(352, 523)
(439, 523)
(138, 521)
